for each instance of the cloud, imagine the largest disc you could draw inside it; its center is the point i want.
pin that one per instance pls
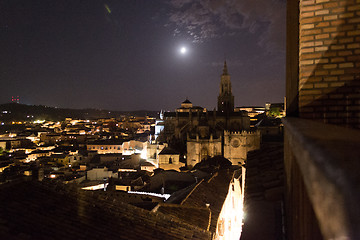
(204, 19)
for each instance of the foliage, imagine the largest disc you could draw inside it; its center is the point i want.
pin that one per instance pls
(274, 112)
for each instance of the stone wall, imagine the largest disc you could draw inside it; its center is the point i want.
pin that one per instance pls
(238, 144)
(199, 149)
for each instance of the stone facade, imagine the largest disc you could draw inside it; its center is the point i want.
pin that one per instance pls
(199, 149)
(234, 147)
(169, 159)
(237, 144)
(189, 119)
(211, 133)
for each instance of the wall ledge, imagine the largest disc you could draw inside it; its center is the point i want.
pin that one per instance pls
(329, 160)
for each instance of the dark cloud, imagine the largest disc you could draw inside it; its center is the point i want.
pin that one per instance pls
(204, 19)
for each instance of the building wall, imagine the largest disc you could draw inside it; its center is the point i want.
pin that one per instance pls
(159, 127)
(179, 124)
(61, 160)
(3, 145)
(164, 158)
(152, 152)
(100, 174)
(105, 148)
(50, 138)
(329, 61)
(237, 144)
(229, 224)
(133, 146)
(34, 156)
(323, 84)
(164, 161)
(199, 149)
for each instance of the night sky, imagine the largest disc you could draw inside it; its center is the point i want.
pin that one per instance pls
(125, 54)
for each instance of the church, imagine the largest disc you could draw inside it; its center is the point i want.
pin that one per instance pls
(210, 133)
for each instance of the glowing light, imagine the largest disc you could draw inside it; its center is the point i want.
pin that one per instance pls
(107, 8)
(166, 196)
(96, 187)
(183, 50)
(39, 121)
(143, 154)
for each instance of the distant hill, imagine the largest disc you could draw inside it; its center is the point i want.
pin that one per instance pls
(22, 112)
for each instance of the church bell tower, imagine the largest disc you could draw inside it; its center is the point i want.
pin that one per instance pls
(225, 98)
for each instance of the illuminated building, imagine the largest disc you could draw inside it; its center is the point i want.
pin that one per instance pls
(203, 130)
(104, 147)
(169, 159)
(225, 98)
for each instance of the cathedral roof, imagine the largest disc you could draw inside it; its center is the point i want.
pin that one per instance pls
(186, 101)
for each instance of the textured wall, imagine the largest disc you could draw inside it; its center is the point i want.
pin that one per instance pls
(329, 61)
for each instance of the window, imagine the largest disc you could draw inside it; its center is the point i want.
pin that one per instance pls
(221, 227)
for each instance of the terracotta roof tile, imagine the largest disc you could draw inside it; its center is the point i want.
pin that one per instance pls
(211, 192)
(193, 215)
(34, 210)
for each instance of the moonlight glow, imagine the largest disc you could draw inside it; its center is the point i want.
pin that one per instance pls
(183, 50)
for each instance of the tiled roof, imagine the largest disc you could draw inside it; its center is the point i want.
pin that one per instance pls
(106, 142)
(264, 171)
(147, 164)
(173, 181)
(193, 215)
(264, 189)
(168, 151)
(213, 192)
(34, 210)
(269, 122)
(212, 164)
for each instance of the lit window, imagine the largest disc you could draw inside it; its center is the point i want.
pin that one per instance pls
(221, 227)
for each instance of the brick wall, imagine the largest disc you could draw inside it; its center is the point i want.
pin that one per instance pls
(329, 61)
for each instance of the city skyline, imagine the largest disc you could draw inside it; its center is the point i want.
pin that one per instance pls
(141, 55)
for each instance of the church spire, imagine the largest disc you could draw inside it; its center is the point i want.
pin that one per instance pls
(225, 98)
(225, 71)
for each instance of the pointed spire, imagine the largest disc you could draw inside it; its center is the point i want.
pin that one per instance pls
(225, 71)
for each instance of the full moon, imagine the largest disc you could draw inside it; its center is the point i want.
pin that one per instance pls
(183, 50)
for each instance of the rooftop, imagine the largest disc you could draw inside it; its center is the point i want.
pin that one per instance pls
(36, 210)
